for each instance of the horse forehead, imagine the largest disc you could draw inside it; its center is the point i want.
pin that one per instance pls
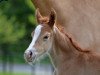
(40, 29)
(46, 28)
(37, 31)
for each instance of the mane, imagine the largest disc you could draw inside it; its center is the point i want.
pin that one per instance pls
(72, 41)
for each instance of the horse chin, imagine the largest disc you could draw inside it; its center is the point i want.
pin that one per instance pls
(32, 61)
(37, 58)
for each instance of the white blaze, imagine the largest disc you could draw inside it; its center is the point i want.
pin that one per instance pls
(36, 35)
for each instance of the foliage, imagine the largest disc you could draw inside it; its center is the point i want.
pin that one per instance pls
(17, 21)
(8, 32)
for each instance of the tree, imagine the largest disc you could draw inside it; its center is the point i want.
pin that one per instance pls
(16, 23)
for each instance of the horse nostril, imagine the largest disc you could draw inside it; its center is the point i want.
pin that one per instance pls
(30, 54)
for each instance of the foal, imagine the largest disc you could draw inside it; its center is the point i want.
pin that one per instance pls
(66, 55)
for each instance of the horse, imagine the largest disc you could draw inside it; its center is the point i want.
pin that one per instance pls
(80, 18)
(67, 56)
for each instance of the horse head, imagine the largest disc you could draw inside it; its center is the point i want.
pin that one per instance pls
(42, 36)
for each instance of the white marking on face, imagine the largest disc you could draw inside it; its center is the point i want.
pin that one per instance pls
(36, 35)
(54, 28)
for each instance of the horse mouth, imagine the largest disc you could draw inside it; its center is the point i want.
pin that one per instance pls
(29, 57)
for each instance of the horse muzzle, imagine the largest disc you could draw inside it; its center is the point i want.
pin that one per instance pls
(29, 56)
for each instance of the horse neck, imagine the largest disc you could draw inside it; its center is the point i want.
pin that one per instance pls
(62, 48)
(62, 42)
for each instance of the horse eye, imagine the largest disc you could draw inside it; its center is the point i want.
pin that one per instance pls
(45, 37)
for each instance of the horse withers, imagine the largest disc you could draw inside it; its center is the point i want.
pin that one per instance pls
(67, 56)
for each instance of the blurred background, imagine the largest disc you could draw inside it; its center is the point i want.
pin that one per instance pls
(17, 21)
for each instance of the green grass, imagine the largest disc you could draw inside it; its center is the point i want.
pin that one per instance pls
(1, 73)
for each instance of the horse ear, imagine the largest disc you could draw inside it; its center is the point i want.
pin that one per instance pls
(38, 15)
(52, 18)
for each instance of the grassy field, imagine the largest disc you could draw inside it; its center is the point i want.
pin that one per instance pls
(1, 73)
